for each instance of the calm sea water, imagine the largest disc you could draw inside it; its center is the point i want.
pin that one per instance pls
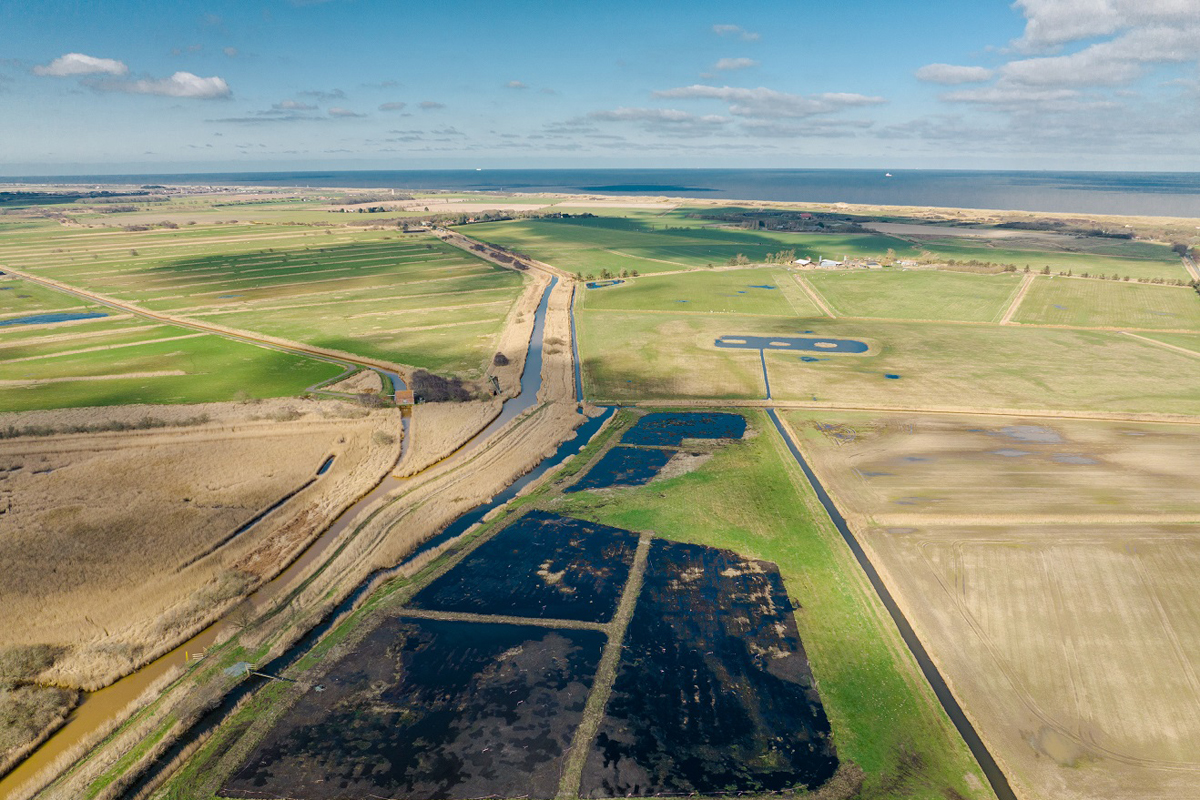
(1141, 193)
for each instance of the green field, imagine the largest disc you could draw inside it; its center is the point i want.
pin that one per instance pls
(752, 498)
(1109, 304)
(657, 243)
(409, 299)
(630, 356)
(742, 291)
(931, 295)
(589, 245)
(88, 373)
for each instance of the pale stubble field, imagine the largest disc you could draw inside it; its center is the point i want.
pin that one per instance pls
(1049, 567)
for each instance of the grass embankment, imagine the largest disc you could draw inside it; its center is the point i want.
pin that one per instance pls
(752, 498)
(763, 290)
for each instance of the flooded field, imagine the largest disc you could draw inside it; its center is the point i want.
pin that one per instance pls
(440, 709)
(669, 429)
(624, 466)
(542, 566)
(714, 693)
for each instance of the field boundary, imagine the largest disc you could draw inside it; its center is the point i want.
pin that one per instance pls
(815, 296)
(1015, 303)
(1175, 347)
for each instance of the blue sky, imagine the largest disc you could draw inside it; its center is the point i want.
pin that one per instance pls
(126, 85)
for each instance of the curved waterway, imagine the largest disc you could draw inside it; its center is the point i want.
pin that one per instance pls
(97, 709)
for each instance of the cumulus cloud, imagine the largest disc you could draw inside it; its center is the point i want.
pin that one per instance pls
(735, 31)
(952, 74)
(293, 105)
(181, 84)
(771, 104)
(393, 106)
(431, 105)
(72, 64)
(338, 111)
(516, 85)
(1049, 23)
(735, 64)
(658, 120)
(232, 52)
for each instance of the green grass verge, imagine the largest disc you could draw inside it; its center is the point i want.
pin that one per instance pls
(752, 498)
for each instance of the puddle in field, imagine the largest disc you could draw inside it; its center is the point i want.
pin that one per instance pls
(1068, 458)
(1011, 453)
(46, 319)
(1031, 433)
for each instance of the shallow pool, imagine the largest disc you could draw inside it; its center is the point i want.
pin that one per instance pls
(809, 343)
(45, 319)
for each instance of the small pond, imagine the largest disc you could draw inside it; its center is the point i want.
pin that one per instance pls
(811, 344)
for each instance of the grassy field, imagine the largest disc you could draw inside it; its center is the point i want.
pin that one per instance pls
(750, 497)
(1185, 340)
(916, 295)
(589, 245)
(1049, 566)
(654, 243)
(403, 298)
(117, 363)
(635, 356)
(1110, 304)
(768, 291)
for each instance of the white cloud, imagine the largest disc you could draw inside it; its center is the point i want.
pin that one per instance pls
(735, 63)
(232, 52)
(338, 111)
(668, 115)
(394, 106)
(951, 74)
(293, 105)
(771, 104)
(181, 84)
(1010, 95)
(516, 85)
(431, 105)
(1049, 23)
(79, 64)
(735, 30)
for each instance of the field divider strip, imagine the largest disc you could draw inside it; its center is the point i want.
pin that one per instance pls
(1022, 290)
(1174, 347)
(606, 674)
(814, 295)
(466, 616)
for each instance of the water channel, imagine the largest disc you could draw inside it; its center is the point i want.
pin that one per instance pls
(96, 710)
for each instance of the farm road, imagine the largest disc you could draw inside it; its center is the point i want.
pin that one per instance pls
(1009, 312)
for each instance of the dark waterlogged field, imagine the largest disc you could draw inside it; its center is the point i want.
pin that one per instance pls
(714, 693)
(433, 709)
(623, 466)
(543, 566)
(669, 429)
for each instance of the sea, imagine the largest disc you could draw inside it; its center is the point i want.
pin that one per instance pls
(1171, 194)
